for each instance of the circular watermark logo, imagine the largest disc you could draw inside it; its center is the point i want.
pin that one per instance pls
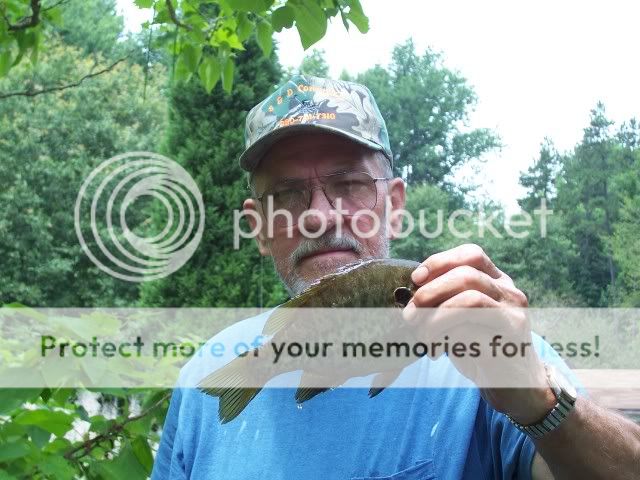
(114, 209)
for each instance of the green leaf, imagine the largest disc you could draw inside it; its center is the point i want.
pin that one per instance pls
(143, 3)
(5, 476)
(227, 75)
(244, 28)
(190, 56)
(45, 394)
(35, 50)
(224, 35)
(58, 445)
(61, 395)
(38, 436)
(57, 467)
(197, 36)
(311, 22)
(263, 36)
(255, 6)
(182, 72)
(282, 17)
(209, 73)
(140, 427)
(5, 62)
(357, 16)
(54, 15)
(345, 22)
(125, 465)
(141, 450)
(11, 451)
(13, 398)
(57, 423)
(100, 424)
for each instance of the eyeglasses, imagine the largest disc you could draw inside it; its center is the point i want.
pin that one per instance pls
(356, 191)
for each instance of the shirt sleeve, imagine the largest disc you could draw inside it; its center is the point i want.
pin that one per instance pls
(169, 461)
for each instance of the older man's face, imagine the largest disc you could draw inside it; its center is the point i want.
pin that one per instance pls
(299, 259)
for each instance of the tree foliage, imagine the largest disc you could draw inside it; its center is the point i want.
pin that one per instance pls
(205, 37)
(590, 207)
(49, 146)
(425, 106)
(206, 136)
(315, 64)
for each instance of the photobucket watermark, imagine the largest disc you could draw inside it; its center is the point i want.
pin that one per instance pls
(125, 249)
(367, 223)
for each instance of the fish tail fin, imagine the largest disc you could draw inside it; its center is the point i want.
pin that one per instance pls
(231, 384)
(382, 381)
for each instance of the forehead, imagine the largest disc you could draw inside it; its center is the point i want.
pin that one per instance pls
(312, 154)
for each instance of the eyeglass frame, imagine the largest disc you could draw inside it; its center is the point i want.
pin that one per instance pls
(323, 186)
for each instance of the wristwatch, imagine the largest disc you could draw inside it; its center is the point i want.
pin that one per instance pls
(566, 396)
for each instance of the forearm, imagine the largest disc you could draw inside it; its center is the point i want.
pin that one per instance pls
(592, 443)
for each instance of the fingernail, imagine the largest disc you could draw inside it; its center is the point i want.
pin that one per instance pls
(420, 275)
(409, 312)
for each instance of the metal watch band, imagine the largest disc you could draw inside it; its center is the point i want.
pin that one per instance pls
(565, 402)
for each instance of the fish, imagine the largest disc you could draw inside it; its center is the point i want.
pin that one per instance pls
(372, 283)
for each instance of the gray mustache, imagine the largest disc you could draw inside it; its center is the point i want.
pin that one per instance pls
(309, 246)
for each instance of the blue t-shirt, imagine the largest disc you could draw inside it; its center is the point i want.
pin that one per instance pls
(401, 434)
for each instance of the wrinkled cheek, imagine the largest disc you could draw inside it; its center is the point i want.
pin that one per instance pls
(367, 226)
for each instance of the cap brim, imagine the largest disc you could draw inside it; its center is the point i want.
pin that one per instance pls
(251, 157)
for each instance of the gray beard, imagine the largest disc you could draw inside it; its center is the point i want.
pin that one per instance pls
(296, 285)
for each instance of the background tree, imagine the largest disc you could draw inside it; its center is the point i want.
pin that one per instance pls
(424, 105)
(315, 64)
(625, 242)
(49, 146)
(540, 179)
(206, 136)
(590, 207)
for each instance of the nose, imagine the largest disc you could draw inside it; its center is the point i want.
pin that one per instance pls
(320, 214)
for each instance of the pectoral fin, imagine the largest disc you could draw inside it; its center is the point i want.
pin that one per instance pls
(279, 318)
(308, 387)
(231, 385)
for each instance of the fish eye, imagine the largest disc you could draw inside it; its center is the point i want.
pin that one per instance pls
(402, 295)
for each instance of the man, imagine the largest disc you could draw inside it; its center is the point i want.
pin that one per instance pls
(305, 142)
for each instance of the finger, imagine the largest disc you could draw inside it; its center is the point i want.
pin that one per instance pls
(463, 300)
(476, 314)
(439, 263)
(454, 282)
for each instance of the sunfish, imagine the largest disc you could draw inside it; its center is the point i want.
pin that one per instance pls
(369, 284)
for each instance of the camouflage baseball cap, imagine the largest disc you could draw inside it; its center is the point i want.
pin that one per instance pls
(306, 103)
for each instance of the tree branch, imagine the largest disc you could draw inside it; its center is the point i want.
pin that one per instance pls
(116, 428)
(28, 22)
(174, 17)
(60, 2)
(59, 88)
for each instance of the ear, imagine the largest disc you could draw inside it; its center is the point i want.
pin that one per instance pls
(396, 204)
(261, 238)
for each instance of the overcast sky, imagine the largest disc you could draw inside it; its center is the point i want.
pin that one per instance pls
(537, 68)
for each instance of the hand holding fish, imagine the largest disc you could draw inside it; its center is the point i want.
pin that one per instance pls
(465, 277)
